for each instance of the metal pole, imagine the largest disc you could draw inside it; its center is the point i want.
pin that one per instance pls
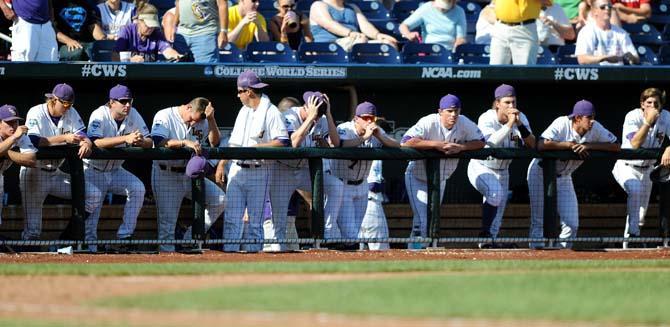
(75, 229)
(316, 173)
(198, 191)
(434, 199)
(551, 222)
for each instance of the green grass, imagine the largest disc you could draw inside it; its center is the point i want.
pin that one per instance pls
(318, 267)
(602, 296)
(19, 322)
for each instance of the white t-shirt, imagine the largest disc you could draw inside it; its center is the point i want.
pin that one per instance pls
(548, 35)
(594, 41)
(101, 125)
(561, 131)
(430, 128)
(488, 124)
(39, 123)
(169, 125)
(353, 170)
(657, 132)
(317, 133)
(112, 22)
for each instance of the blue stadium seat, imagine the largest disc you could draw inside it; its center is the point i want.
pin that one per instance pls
(388, 27)
(373, 10)
(471, 8)
(102, 50)
(644, 33)
(660, 12)
(322, 52)
(230, 53)
(647, 56)
(374, 53)
(664, 55)
(470, 53)
(425, 53)
(565, 55)
(545, 56)
(269, 52)
(304, 6)
(268, 5)
(403, 9)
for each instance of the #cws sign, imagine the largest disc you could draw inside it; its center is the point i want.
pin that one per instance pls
(279, 71)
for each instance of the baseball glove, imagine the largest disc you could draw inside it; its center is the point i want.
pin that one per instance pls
(660, 174)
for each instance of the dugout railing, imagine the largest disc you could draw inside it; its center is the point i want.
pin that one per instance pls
(74, 232)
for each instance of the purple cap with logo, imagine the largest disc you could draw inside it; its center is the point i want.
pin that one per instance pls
(63, 92)
(583, 108)
(309, 94)
(504, 90)
(450, 101)
(120, 92)
(197, 167)
(366, 109)
(249, 79)
(9, 113)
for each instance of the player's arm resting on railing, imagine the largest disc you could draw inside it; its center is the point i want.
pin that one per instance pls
(545, 144)
(318, 13)
(385, 139)
(421, 144)
(603, 146)
(26, 159)
(641, 134)
(274, 143)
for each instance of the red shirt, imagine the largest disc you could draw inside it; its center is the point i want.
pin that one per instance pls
(631, 3)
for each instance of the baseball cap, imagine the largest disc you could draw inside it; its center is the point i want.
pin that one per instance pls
(504, 90)
(309, 94)
(366, 109)
(9, 113)
(63, 92)
(151, 20)
(197, 166)
(582, 108)
(450, 101)
(120, 92)
(249, 79)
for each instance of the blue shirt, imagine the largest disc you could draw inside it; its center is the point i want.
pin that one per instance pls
(32, 11)
(438, 27)
(346, 17)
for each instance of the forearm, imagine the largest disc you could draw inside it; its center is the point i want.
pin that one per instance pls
(7, 144)
(586, 59)
(530, 141)
(639, 137)
(53, 140)
(109, 142)
(27, 159)
(173, 144)
(421, 144)
(147, 143)
(276, 143)
(98, 33)
(566, 32)
(261, 34)
(235, 33)
(473, 145)
(223, 14)
(333, 136)
(388, 142)
(299, 135)
(554, 145)
(214, 136)
(170, 53)
(497, 138)
(62, 38)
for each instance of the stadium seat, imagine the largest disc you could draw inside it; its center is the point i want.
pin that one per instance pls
(472, 54)
(471, 8)
(388, 27)
(644, 34)
(304, 6)
(373, 10)
(403, 9)
(374, 53)
(269, 52)
(102, 50)
(230, 53)
(322, 52)
(267, 5)
(664, 55)
(425, 53)
(660, 12)
(545, 56)
(565, 55)
(647, 56)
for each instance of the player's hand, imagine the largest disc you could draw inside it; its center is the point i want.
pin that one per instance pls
(222, 39)
(20, 131)
(665, 159)
(326, 100)
(249, 17)
(513, 116)
(313, 104)
(73, 45)
(85, 149)
(137, 58)
(72, 138)
(581, 150)
(220, 178)
(369, 131)
(193, 145)
(209, 111)
(451, 148)
(651, 115)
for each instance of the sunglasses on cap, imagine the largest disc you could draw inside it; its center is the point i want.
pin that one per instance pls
(367, 118)
(66, 104)
(124, 101)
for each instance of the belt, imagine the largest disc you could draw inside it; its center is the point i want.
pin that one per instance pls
(357, 182)
(525, 22)
(173, 169)
(636, 166)
(98, 169)
(243, 165)
(51, 170)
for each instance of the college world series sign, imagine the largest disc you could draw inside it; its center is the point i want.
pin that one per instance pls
(321, 72)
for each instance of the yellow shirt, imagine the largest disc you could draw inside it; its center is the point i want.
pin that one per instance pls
(516, 11)
(247, 33)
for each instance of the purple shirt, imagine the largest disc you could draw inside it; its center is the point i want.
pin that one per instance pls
(129, 40)
(32, 11)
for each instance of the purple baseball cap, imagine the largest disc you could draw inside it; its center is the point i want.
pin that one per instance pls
(366, 109)
(583, 108)
(249, 79)
(309, 94)
(197, 167)
(450, 101)
(504, 90)
(120, 92)
(9, 113)
(63, 92)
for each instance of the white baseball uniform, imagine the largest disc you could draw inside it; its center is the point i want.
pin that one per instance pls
(430, 128)
(25, 146)
(109, 175)
(169, 182)
(46, 179)
(561, 131)
(633, 175)
(33, 42)
(290, 175)
(347, 212)
(248, 179)
(491, 176)
(374, 222)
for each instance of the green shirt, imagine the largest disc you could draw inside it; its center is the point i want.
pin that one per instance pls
(571, 7)
(198, 17)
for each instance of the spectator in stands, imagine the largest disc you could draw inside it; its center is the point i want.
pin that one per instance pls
(441, 21)
(145, 39)
(247, 24)
(553, 26)
(202, 28)
(571, 9)
(33, 37)
(585, 15)
(600, 42)
(114, 14)
(485, 21)
(335, 21)
(514, 35)
(169, 24)
(632, 11)
(290, 26)
(77, 27)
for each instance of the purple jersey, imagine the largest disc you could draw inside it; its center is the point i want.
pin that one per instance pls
(129, 40)
(32, 11)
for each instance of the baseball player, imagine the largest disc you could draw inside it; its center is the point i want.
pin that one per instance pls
(116, 124)
(581, 133)
(259, 124)
(11, 136)
(374, 221)
(345, 213)
(644, 127)
(54, 122)
(447, 131)
(189, 125)
(504, 126)
(310, 125)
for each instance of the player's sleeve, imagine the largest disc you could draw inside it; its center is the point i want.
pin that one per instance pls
(630, 126)
(343, 132)
(603, 135)
(276, 126)
(472, 132)
(486, 125)
(34, 124)
(525, 122)
(419, 130)
(95, 125)
(141, 125)
(291, 122)
(159, 129)
(77, 123)
(554, 131)
(25, 145)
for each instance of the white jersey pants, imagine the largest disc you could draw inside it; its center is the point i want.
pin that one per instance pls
(493, 184)
(33, 42)
(417, 191)
(284, 181)
(637, 184)
(333, 189)
(246, 190)
(352, 210)
(515, 45)
(374, 222)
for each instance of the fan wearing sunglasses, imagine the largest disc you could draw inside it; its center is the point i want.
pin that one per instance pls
(290, 26)
(601, 43)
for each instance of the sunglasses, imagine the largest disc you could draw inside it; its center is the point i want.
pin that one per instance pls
(605, 7)
(124, 101)
(288, 6)
(66, 104)
(371, 119)
(241, 91)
